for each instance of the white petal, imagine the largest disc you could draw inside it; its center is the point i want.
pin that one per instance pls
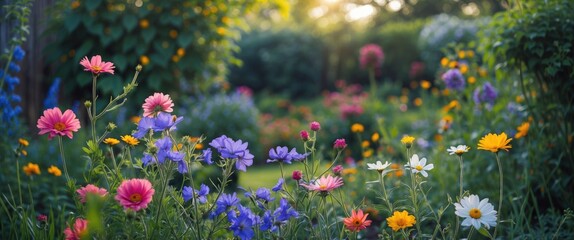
(423, 161)
(429, 167)
(466, 222)
(415, 159)
(424, 173)
(475, 224)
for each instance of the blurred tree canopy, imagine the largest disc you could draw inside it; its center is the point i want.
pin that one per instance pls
(182, 45)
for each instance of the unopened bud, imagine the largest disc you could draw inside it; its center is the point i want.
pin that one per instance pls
(88, 104)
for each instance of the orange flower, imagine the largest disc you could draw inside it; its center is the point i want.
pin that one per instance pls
(401, 220)
(522, 130)
(494, 142)
(31, 168)
(357, 221)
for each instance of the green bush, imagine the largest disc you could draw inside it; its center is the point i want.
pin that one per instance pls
(284, 61)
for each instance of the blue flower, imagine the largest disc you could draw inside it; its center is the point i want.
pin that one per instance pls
(242, 225)
(19, 53)
(279, 154)
(266, 221)
(453, 79)
(201, 195)
(147, 159)
(145, 124)
(51, 99)
(13, 67)
(219, 143)
(225, 201)
(264, 194)
(206, 156)
(279, 185)
(238, 150)
(165, 121)
(163, 148)
(284, 211)
(179, 158)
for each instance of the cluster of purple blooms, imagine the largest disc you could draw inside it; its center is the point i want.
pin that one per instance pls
(165, 151)
(283, 155)
(230, 149)
(162, 122)
(453, 79)
(485, 95)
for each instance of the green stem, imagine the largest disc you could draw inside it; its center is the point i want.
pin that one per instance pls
(93, 118)
(501, 187)
(19, 182)
(195, 210)
(459, 195)
(373, 82)
(163, 187)
(64, 161)
(385, 193)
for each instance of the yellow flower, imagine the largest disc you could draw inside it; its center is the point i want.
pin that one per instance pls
(24, 152)
(444, 62)
(32, 168)
(401, 220)
(130, 140)
(23, 142)
(522, 130)
(469, 53)
(425, 84)
(144, 23)
(407, 139)
(418, 102)
(365, 144)
(471, 80)
(463, 68)
(135, 119)
(111, 141)
(453, 64)
(519, 99)
(375, 137)
(348, 171)
(482, 72)
(357, 128)
(173, 33)
(75, 4)
(54, 171)
(180, 52)
(461, 54)
(144, 60)
(494, 142)
(368, 153)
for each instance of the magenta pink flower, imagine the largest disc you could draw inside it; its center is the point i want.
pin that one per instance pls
(135, 194)
(297, 175)
(79, 231)
(340, 143)
(158, 102)
(315, 126)
(371, 56)
(324, 184)
(55, 123)
(97, 66)
(91, 189)
(304, 135)
(338, 169)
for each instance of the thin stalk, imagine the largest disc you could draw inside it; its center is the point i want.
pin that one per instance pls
(372, 82)
(163, 187)
(64, 161)
(381, 178)
(195, 210)
(501, 187)
(459, 195)
(93, 117)
(470, 233)
(19, 182)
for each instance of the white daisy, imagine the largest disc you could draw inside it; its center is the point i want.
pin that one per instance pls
(417, 166)
(380, 167)
(476, 212)
(458, 150)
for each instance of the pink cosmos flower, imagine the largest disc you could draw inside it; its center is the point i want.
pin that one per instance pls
(91, 189)
(371, 56)
(158, 102)
(55, 123)
(135, 194)
(324, 184)
(97, 66)
(79, 231)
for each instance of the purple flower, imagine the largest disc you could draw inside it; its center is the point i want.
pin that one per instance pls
(279, 185)
(453, 79)
(242, 225)
(206, 156)
(163, 148)
(487, 94)
(219, 143)
(224, 202)
(147, 159)
(201, 195)
(237, 150)
(371, 56)
(165, 121)
(282, 154)
(264, 194)
(145, 124)
(284, 211)
(267, 221)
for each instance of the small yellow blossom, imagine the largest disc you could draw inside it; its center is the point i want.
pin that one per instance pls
(471, 80)
(453, 64)
(375, 137)
(522, 130)
(24, 152)
(407, 141)
(357, 128)
(461, 54)
(135, 119)
(54, 171)
(111, 141)
(349, 171)
(368, 153)
(425, 84)
(463, 68)
(32, 168)
(469, 53)
(23, 142)
(365, 144)
(444, 62)
(144, 23)
(128, 139)
(401, 220)
(418, 102)
(144, 60)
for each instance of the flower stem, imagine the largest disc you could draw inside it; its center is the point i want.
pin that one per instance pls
(459, 195)
(93, 118)
(64, 160)
(19, 182)
(501, 187)
(385, 193)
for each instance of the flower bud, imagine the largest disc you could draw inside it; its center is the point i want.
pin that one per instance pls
(304, 135)
(88, 104)
(139, 68)
(315, 126)
(340, 143)
(297, 175)
(111, 126)
(338, 169)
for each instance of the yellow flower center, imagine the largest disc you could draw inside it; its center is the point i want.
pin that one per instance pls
(401, 222)
(459, 152)
(60, 126)
(419, 167)
(96, 69)
(322, 187)
(475, 213)
(136, 197)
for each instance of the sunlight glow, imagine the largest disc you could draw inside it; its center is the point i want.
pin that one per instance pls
(471, 9)
(395, 5)
(356, 12)
(318, 12)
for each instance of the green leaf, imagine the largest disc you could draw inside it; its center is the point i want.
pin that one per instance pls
(72, 21)
(484, 232)
(92, 4)
(129, 43)
(154, 81)
(129, 21)
(97, 30)
(184, 39)
(83, 50)
(148, 34)
(120, 61)
(116, 32)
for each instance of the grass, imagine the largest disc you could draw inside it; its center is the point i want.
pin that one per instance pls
(267, 175)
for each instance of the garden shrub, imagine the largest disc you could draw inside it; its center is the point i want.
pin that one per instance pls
(283, 62)
(529, 43)
(443, 30)
(175, 41)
